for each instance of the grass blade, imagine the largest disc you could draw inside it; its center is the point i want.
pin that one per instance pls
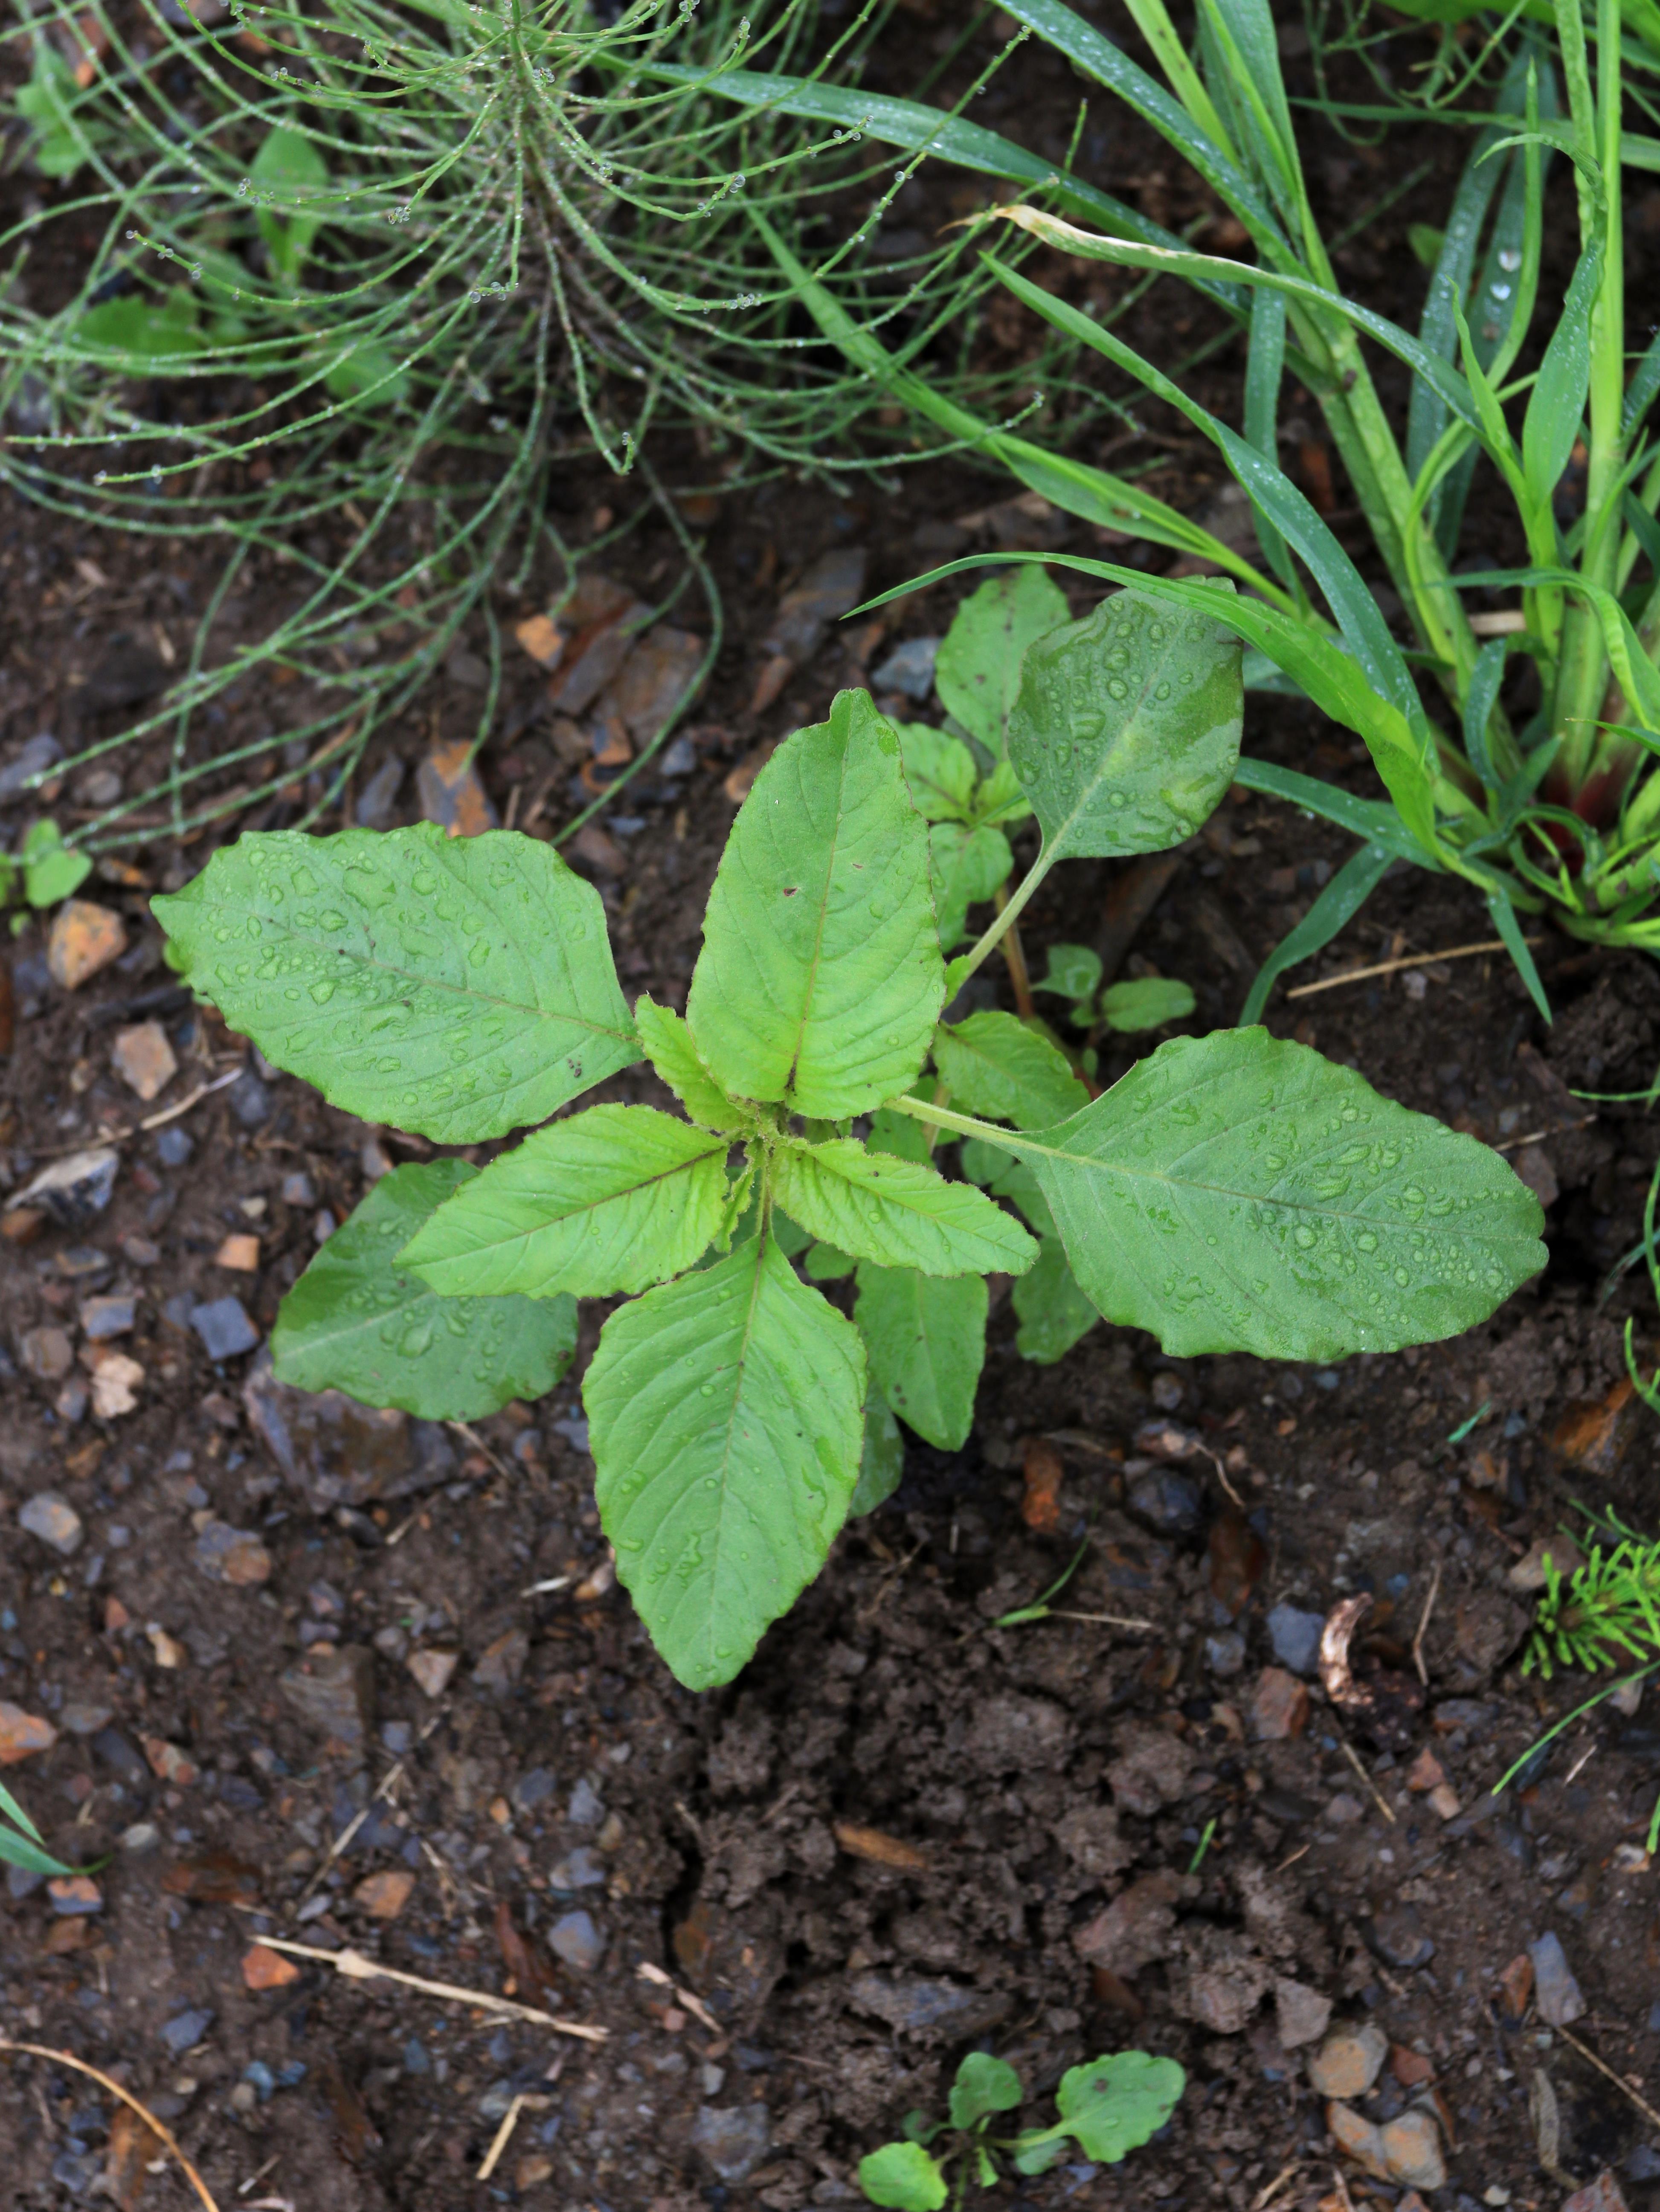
(1336, 906)
(1368, 818)
(1478, 702)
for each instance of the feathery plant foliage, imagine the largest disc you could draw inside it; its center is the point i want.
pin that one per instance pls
(1606, 1610)
(360, 276)
(1522, 753)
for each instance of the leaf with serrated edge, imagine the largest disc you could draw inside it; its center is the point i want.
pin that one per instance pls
(674, 1057)
(994, 1066)
(725, 1418)
(610, 1201)
(978, 673)
(896, 1213)
(358, 1321)
(460, 987)
(1052, 1311)
(1236, 1193)
(820, 978)
(1126, 731)
(926, 1335)
(940, 771)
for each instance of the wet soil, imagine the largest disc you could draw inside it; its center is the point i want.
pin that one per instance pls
(411, 1713)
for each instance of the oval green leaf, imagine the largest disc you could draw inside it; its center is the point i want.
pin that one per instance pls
(940, 771)
(1127, 728)
(1113, 2105)
(984, 2084)
(611, 1199)
(460, 987)
(725, 1418)
(820, 979)
(1052, 1311)
(1236, 1193)
(994, 1066)
(674, 1058)
(1146, 1002)
(358, 1321)
(965, 866)
(977, 674)
(926, 1335)
(897, 1213)
(903, 2177)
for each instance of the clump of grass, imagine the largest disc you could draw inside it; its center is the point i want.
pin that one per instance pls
(1605, 1610)
(363, 278)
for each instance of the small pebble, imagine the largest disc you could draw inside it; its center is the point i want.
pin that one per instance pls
(298, 1190)
(53, 1519)
(1556, 1993)
(1349, 2061)
(107, 1316)
(47, 1353)
(1280, 1706)
(174, 1146)
(224, 1328)
(144, 1059)
(1295, 1636)
(185, 2030)
(576, 1939)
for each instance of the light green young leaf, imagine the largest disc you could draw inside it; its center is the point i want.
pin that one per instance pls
(977, 675)
(904, 2176)
(725, 1418)
(902, 1134)
(939, 771)
(820, 979)
(44, 102)
(1000, 797)
(824, 1263)
(289, 168)
(674, 1056)
(964, 866)
(1052, 1311)
(1236, 1193)
(1073, 972)
(148, 326)
(1113, 2105)
(882, 1463)
(926, 1335)
(1556, 404)
(897, 1213)
(610, 1201)
(1126, 730)
(51, 869)
(984, 2084)
(1146, 1002)
(994, 1171)
(994, 1066)
(364, 367)
(358, 1321)
(460, 987)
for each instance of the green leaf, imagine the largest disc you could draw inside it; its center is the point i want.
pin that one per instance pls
(994, 1170)
(820, 979)
(926, 1335)
(674, 1057)
(51, 869)
(365, 368)
(1037, 2150)
(1073, 972)
(904, 2176)
(1556, 404)
(977, 674)
(611, 1199)
(1147, 1003)
(894, 1212)
(358, 1321)
(1337, 905)
(984, 2084)
(1236, 1193)
(882, 1463)
(994, 1066)
(964, 866)
(724, 1415)
(939, 771)
(902, 1134)
(460, 987)
(289, 168)
(1000, 797)
(1127, 729)
(822, 1263)
(1053, 1312)
(26, 1851)
(1113, 2105)
(44, 102)
(140, 324)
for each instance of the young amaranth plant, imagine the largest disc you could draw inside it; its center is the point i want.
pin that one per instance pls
(1233, 1192)
(1529, 763)
(1108, 2107)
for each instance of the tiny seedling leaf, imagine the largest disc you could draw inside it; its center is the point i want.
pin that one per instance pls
(51, 869)
(984, 2084)
(358, 1321)
(903, 2176)
(820, 979)
(926, 1335)
(725, 1416)
(611, 1199)
(1146, 1002)
(289, 168)
(977, 674)
(896, 1213)
(1126, 731)
(459, 987)
(674, 1057)
(1238, 1193)
(994, 1066)
(1073, 972)
(143, 323)
(1113, 2105)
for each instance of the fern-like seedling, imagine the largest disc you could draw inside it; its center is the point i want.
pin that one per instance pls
(1606, 1609)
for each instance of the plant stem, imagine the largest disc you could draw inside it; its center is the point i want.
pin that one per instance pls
(1002, 921)
(1014, 956)
(960, 1125)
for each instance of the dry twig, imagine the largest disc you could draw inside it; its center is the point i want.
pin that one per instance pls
(1423, 1622)
(1618, 2080)
(357, 1968)
(1406, 960)
(156, 2127)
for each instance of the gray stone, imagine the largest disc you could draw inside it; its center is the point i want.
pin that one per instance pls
(334, 1692)
(732, 2140)
(908, 2002)
(1295, 1636)
(337, 1452)
(53, 1519)
(576, 1939)
(1167, 1500)
(185, 2030)
(250, 1101)
(1224, 1654)
(72, 1190)
(909, 668)
(36, 758)
(77, 1719)
(535, 1788)
(582, 1868)
(224, 1327)
(174, 1146)
(108, 1316)
(1398, 1938)
(1555, 1992)
(379, 795)
(586, 1809)
(1301, 2013)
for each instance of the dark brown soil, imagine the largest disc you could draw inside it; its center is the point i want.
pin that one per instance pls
(1023, 1777)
